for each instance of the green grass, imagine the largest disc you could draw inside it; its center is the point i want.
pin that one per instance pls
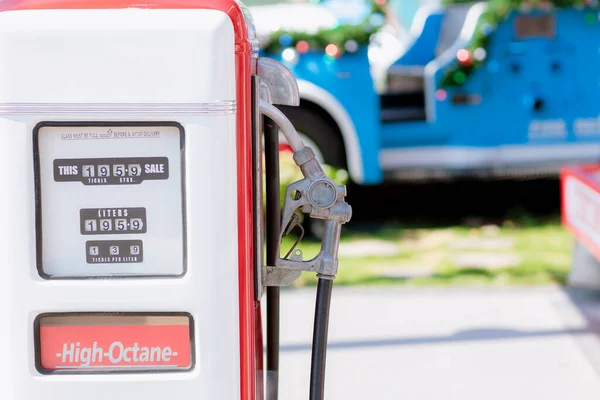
(527, 252)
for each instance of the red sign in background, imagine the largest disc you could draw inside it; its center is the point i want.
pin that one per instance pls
(127, 343)
(580, 187)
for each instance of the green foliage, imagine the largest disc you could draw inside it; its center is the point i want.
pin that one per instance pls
(497, 11)
(537, 252)
(338, 35)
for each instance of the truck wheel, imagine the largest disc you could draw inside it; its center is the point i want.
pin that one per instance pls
(318, 134)
(322, 137)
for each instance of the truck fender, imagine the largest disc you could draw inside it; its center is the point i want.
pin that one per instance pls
(321, 97)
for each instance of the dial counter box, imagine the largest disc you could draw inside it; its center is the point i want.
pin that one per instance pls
(110, 199)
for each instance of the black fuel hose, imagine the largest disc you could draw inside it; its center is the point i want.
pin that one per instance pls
(273, 223)
(319, 345)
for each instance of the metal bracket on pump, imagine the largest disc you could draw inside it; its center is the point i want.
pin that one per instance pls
(316, 195)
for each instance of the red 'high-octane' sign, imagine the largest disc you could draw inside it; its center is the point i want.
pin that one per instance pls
(84, 343)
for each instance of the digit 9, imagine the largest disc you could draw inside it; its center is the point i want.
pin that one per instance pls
(134, 169)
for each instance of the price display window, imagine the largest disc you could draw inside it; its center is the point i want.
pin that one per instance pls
(110, 199)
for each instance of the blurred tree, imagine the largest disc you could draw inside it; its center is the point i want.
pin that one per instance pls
(334, 41)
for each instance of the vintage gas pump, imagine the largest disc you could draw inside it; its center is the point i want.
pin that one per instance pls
(131, 209)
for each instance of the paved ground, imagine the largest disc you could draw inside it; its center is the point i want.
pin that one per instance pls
(438, 344)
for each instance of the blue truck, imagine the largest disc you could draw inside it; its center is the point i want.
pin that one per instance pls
(452, 96)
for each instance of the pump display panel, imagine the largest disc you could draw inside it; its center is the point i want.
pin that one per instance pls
(110, 199)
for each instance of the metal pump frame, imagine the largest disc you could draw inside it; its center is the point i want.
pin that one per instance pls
(317, 196)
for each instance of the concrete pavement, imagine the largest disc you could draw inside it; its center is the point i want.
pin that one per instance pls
(401, 343)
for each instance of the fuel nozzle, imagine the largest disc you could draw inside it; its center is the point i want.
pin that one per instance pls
(316, 195)
(323, 199)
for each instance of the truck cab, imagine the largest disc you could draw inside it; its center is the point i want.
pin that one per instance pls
(469, 90)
